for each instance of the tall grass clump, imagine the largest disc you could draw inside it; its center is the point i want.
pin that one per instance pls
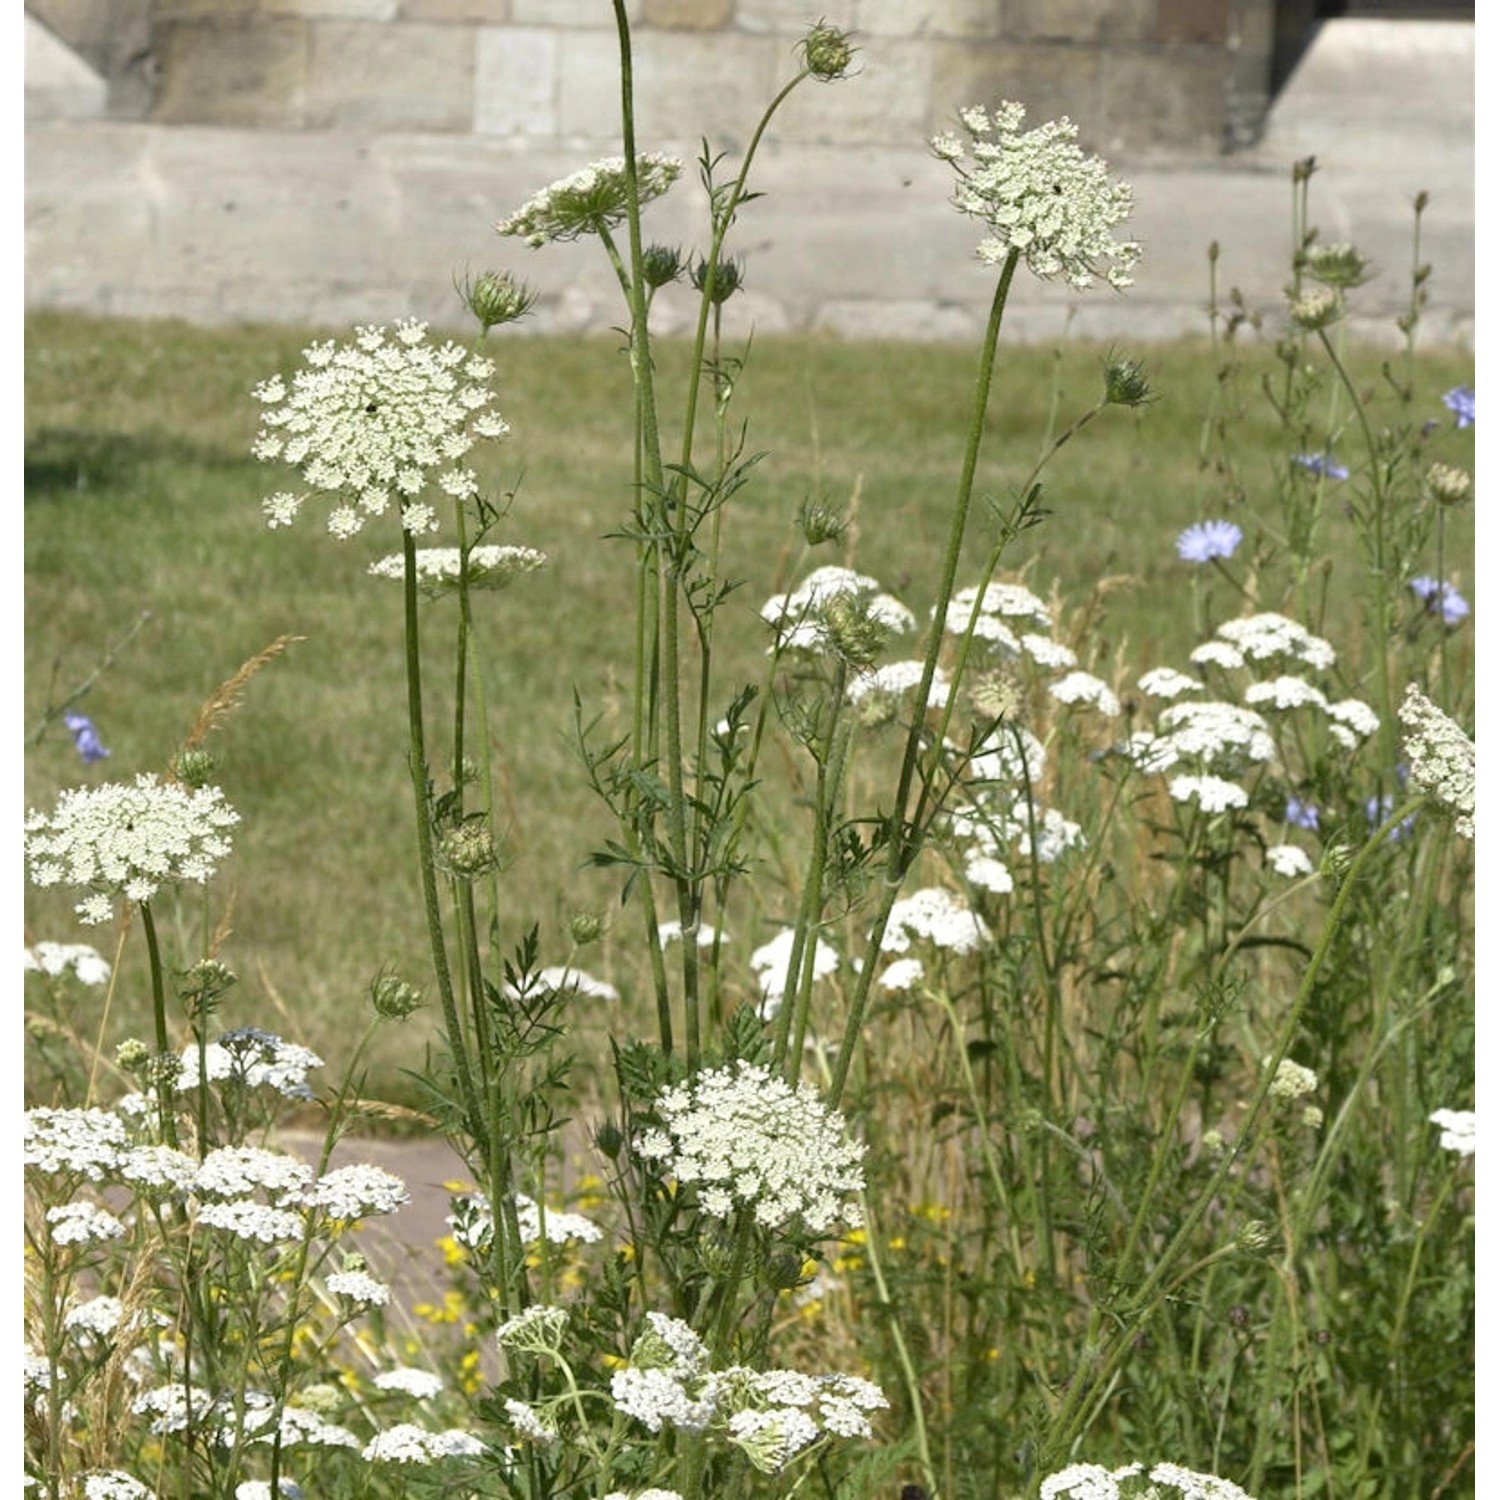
(1022, 1069)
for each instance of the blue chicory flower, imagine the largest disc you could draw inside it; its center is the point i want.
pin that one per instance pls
(1378, 809)
(1301, 814)
(1460, 401)
(1437, 594)
(85, 736)
(1205, 540)
(1321, 463)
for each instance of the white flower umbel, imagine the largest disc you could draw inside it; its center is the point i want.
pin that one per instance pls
(1084, 687)
(1293, 1080)
(1267, 637)
(254, 1058)
(1095, 1482)
(361, 1288)
(406, 1443)
(128, 841)
(1457, 1126)
(1440, 757)
(88, 1142)
(114, 1484)
(1212, 793)
(356, 1192)
(56, 958)
(1009, 601)
(239, 1171)
(1288, 860)
(82, 1223)
(748, 1142)
(1037, 193)
(440, 569)
(374, 420)
(812, 618)
(937, 916)
(770, 960)
(1167, 682)
(419, 1384)
(590, 200)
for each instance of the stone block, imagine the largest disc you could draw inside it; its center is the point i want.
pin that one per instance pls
(927, 18)
(586, 13)
(882, 103)
(1082, 20)
(60, 85)
(688, 85)
(406, 77)
(332, 10)
(1049, 81)
(240, 71)
(1157, 101)
(1193, 21)
(791, 17)
(687, 15)
(461, 12)
(515, 81)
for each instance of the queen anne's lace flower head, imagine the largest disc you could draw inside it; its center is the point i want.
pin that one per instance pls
(1037, 193)
(747, 1141)
(591, 200)
(128, 841)
(1440, 758)
(439, 569)
(376, 419)
(57, 958)
(937, 916)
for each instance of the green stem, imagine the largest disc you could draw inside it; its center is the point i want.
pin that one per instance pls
(906, 838)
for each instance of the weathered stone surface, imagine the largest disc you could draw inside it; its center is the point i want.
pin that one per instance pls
(243, 71)
(791, 17)
(1082, 20)
(883, 103)
(408, 77)
(1193, 21)
(1153, 100)
(515, 81)
(587, 13)
(928, 18)
(471, 12)
(687, 15)
(687, 84)
(59, 83)
(332, 10)
(1049, 81)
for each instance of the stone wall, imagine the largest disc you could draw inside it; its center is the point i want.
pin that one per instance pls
(1139, 76)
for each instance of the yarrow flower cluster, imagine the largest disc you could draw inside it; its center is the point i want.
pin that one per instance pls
(440, 569)
(1440, 757)
(472, 1222)
(591, 201)
(88, 966)
(1457, 1126)
(1039, 195)
(1133, 1482)
(125, 841)
(745, 1140)
(377, 419)
(252, 1058)
(936, 916)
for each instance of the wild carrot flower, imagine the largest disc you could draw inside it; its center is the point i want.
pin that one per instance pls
(1212, 793)
(746, 1140)
(128, 841)
(1037, 193)
(1205, 540)
(1293, 1080)
(1288, 860)
(114, 1484)
(439, 569)
(1439, 597)
(409, 1381)
(1440, 757)
(589, 201)
(377, 419)
(770, 960)
(1457, 1126)
(1084, 687)
(1460, 401)
(816, 615)
(57, 958)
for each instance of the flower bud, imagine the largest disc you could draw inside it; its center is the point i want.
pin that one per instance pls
(820, 522)
(728, 278)
(609, 1139)
(660, 264)
(195, 768)
(1337, 265)
(467, 851)
(1449, 484)
(132, 1054)
(497, 297)
(827, 52)
(1125, 382)
(585, 927)
(1253, 1238)
(393, 998)
(1316, 309)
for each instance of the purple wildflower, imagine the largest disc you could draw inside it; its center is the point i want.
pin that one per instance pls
(1438, 595)
(1378, 809)
(1460, 401)
(1205, 540)
(1301, 814)
(1321, 463)
(85, 736)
